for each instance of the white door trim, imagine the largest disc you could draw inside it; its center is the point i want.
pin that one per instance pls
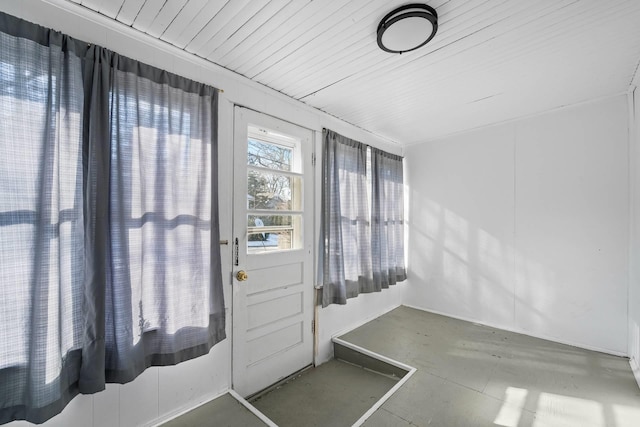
(262, 298)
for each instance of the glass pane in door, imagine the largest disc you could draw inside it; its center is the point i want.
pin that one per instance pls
(274, 191)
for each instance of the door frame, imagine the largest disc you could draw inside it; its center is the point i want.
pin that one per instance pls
(311, 230)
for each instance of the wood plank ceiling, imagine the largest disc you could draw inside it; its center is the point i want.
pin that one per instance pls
(492, 60)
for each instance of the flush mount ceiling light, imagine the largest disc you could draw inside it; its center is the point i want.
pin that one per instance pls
(407, 28)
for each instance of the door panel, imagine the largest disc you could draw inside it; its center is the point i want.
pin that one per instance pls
(273, 238)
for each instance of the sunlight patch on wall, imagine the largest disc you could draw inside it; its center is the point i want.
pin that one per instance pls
(456, 239)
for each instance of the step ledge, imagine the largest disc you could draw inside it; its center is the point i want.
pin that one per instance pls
(403, 366)
(410, 370)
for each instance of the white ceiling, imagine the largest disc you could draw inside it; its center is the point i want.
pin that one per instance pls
(491, 61)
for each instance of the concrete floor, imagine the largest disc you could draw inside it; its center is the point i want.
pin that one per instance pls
(225, 411)
(333, 394)
(473, 375)
(468, 375)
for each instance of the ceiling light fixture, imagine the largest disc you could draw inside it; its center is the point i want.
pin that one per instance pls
(407, 28)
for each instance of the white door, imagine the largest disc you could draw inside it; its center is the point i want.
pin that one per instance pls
(273, 250)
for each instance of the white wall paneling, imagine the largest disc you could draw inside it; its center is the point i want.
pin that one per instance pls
(524, 226)
(461, 197)
(572, 225)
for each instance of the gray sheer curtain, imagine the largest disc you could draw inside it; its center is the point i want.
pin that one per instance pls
(41, 221)
(109, 255)
(160, 145)
(361, 251)
(345, 220)
(387, 218)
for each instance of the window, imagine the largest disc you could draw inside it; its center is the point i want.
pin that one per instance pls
(362, 228)
(41, 219)
(108, 211)
(160, 223)
(274, 191)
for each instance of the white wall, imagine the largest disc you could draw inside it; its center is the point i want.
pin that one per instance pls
(634, 264)
(524, 226)
(160, 392)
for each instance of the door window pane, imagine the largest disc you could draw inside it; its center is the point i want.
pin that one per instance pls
(273, 233)
(270, 156)
(273, 191)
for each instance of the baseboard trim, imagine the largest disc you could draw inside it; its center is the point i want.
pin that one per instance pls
(522, 332)
(184, 409)
(363, 321)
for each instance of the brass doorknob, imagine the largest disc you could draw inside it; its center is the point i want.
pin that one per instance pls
(242, 276)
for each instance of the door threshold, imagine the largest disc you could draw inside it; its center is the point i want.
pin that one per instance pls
(273, 386)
